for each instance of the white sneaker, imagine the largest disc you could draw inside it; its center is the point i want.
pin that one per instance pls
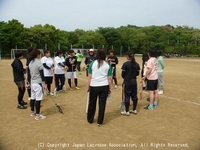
(50, 93)
(160, 92)
(33, 114)
(125, 113)
(39, 117)
(29, 98)
(133, 111)
(64, 88)
(116, 86)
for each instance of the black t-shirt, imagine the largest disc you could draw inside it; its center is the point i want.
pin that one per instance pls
(71, 66)
(112, 59)
(130, 73)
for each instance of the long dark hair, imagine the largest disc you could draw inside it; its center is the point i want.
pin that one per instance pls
(34, 53)
(100, 56)
(145, 57)
(130, 54)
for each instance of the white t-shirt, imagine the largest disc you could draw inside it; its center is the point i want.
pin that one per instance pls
(99, 75)
(49, 62)
(58, 68)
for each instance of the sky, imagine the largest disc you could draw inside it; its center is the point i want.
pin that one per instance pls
(69, 15)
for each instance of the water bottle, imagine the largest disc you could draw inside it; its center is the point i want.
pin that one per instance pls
(108, 98)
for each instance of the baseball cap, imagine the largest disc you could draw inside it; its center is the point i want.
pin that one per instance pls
(91, 50)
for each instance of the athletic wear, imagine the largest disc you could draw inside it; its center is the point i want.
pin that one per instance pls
(160, 72)
(112, 59)
(99, 75)
(79, 57)
(72, 67)
(88, 60)
(152, 64)
(152, 85)
(18, 74)
(18, 70)
(71, 62)
(35, 66)
(48, 62)
(37, 91)
(99, 87)
(129, 74)
(59, 72)
(59, 64)
(160, 64)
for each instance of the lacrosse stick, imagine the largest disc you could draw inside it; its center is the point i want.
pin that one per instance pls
(121, 105)
(72, 79)
(58, 106)
(87, 102)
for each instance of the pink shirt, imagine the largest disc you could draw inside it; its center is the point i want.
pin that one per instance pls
(152, 64)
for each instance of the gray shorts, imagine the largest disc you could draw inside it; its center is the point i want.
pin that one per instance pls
(20, 83)
(160, 80)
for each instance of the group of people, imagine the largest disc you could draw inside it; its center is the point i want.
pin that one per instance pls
(101, 71)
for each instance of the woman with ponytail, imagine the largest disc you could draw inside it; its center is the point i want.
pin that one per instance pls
(37, 84)
(99, 85)
(130, 71)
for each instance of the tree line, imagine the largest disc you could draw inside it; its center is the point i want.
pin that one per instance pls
(180, 39)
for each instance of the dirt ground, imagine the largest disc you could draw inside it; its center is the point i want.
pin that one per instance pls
(173, 125)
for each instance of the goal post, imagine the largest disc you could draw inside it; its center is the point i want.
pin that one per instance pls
(24, 51)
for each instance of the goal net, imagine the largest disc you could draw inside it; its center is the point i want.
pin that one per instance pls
(24, 51)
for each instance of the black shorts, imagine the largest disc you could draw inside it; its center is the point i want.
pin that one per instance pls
(152, 85)
(48, 80)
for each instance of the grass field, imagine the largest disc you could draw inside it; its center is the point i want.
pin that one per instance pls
(173, 125)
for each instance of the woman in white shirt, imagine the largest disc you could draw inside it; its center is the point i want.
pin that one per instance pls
(59, 71)
(48, 70)
(99, 85)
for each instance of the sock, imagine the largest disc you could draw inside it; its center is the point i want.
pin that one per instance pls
(76, 81)
(69, 82)
(37, 107)
(32, 104)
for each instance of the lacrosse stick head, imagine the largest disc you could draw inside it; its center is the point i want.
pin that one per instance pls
(59, 108)
(121, 106)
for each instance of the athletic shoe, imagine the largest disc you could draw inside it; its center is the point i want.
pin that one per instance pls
(99, 125)
(125, 113)
(160, 92)
(39, 117)
(24, 103)
(71, 89)
(21, 107)
(50, 93)
(116, 86)
(33, 114)
(133, 111)
(155, 105)
(29, 98)
(64, 88)
(77, 88)
(150, 107)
